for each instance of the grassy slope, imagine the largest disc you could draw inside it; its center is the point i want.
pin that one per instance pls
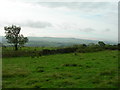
(86, 70)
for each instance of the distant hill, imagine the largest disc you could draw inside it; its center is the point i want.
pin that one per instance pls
(55, 42)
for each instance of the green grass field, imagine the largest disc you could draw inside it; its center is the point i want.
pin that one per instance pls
(85, 70)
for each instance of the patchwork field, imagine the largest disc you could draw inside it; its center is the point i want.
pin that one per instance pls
(85, 70)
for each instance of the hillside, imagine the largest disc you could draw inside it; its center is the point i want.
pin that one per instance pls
(55, 42)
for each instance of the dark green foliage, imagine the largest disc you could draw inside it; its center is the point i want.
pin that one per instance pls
(101, 43)
(22, 40)
(13, 36)
(112, 47)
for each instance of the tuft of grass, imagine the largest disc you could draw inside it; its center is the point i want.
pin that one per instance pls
(107, 72)
(36, 85)
(17, 72)
(32, 81)
(40, 69)
(66, 83)
(96, 80)
(70, 65)
(54, 76)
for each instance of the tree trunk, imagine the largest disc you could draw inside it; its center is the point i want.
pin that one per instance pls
(16, 44)
(16, 47)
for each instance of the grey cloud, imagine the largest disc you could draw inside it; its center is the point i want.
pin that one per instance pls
(36, 24)
(107, 30)
(87, 30)
(29, 23)
(73, 4)
(77, 5)
(73, 26)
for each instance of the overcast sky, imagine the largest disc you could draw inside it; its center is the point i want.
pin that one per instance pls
(85, 20)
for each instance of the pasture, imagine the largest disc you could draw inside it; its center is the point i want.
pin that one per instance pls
(84, 70)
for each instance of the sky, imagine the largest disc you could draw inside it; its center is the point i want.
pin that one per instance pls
(96, 20)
